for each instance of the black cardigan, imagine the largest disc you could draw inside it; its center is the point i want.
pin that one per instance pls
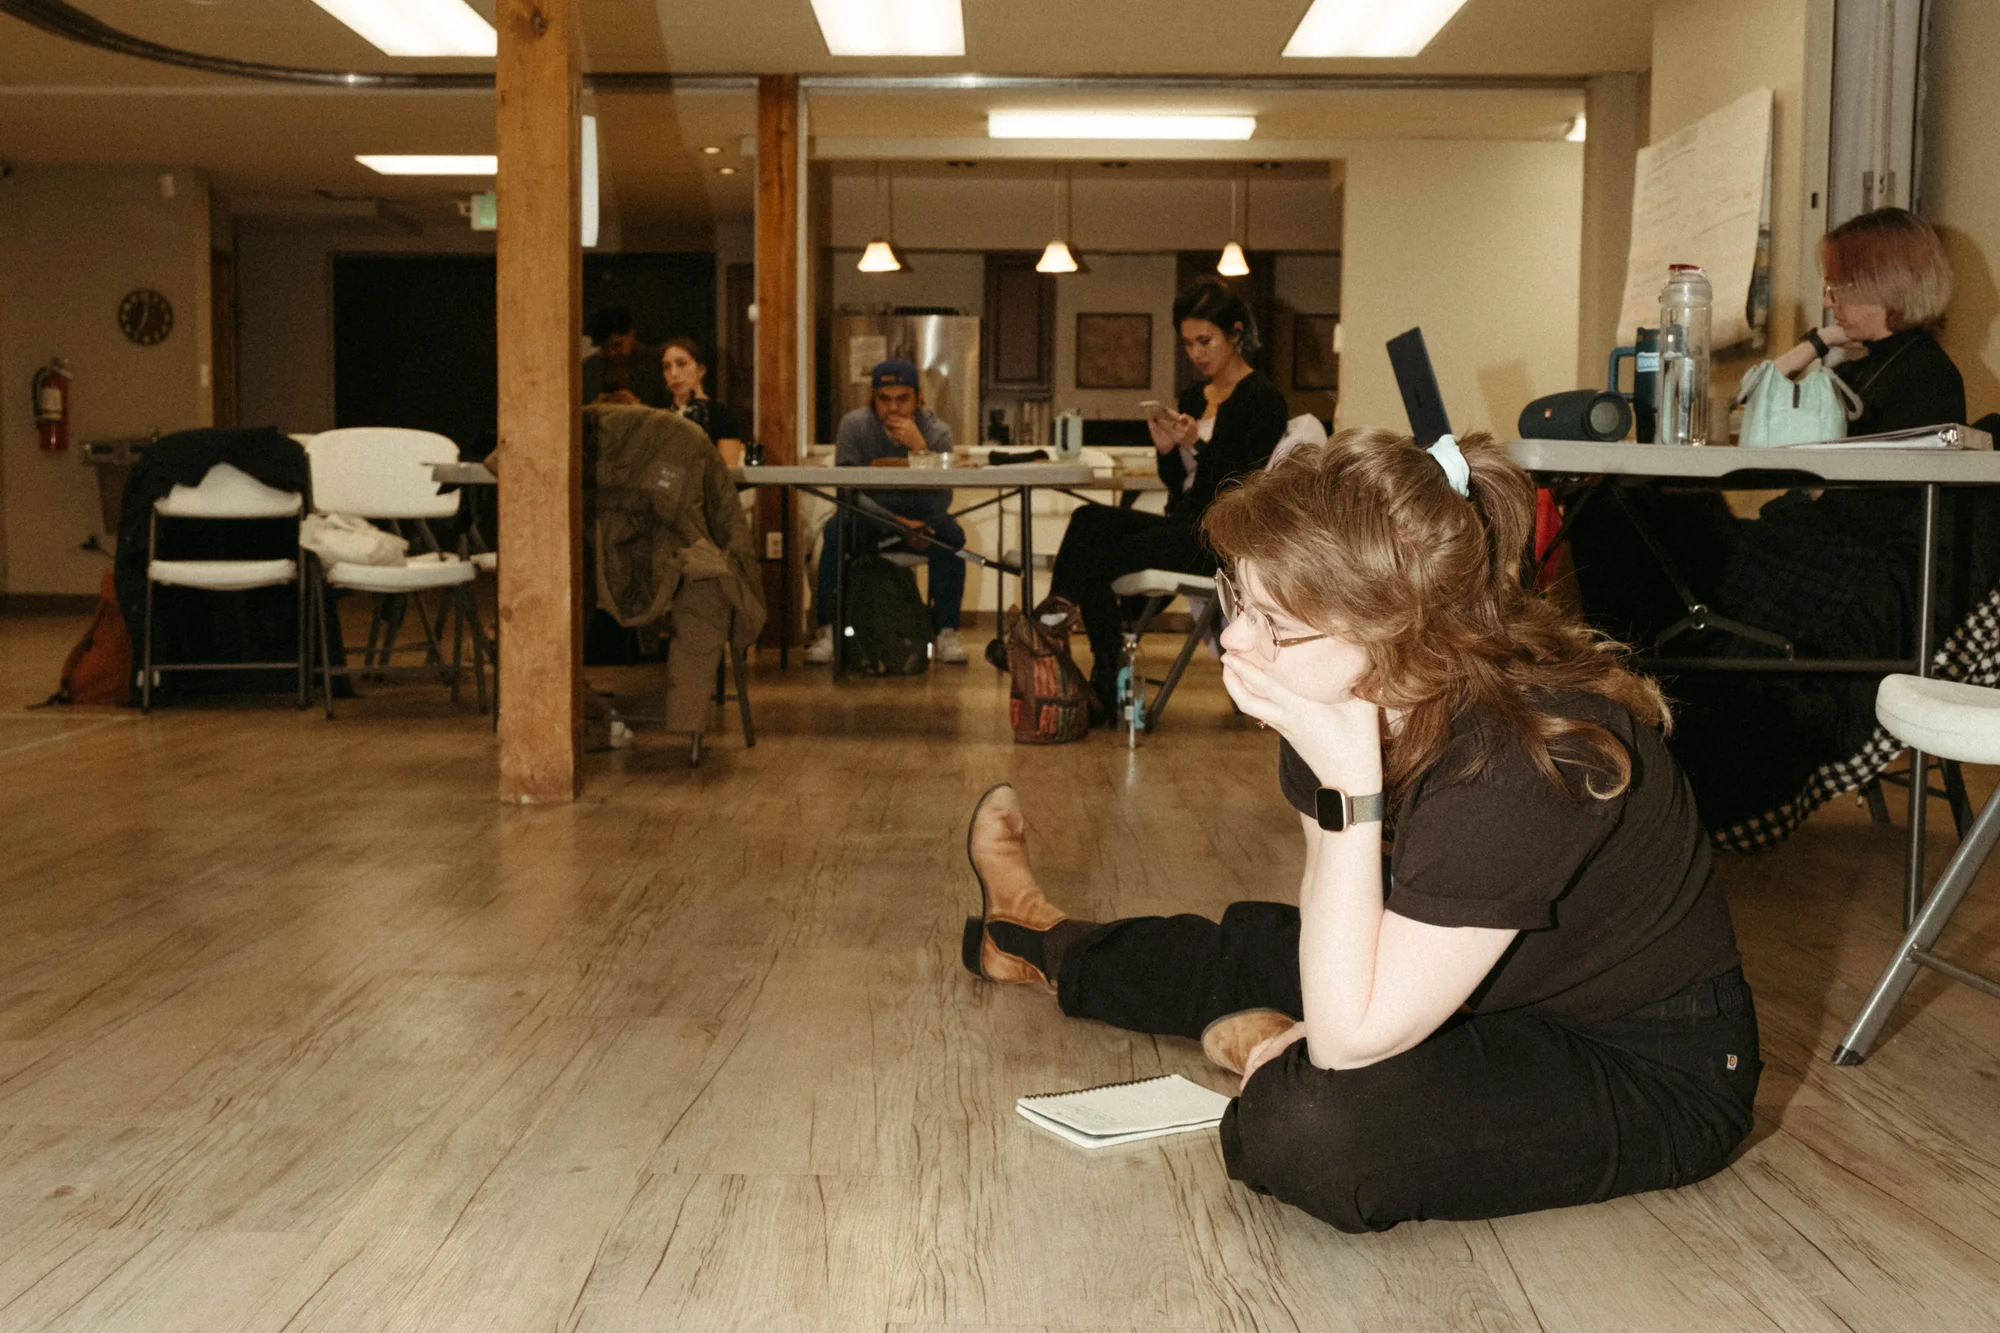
(1248, 426)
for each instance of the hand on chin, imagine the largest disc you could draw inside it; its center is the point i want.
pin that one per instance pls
(1340, 739)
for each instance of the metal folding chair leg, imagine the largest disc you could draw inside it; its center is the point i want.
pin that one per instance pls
(1915, 949)
(739, 661)
(1203, 626)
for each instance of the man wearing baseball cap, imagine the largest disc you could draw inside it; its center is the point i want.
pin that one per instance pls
(896, 424)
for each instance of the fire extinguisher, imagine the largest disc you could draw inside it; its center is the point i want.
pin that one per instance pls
(52, 406)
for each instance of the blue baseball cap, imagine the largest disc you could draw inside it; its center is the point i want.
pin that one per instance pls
(895, 373)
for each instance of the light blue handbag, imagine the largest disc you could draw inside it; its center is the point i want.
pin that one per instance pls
(1780, 411)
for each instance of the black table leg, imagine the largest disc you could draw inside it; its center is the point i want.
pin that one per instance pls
(1027, 549)
(1920, 786)
(836, 548)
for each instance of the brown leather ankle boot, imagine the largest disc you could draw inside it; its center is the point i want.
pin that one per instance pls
(997, 845)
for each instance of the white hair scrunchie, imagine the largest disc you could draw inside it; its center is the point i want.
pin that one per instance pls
(1452, 459)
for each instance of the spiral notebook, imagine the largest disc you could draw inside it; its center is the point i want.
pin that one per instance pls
(1125, 1112)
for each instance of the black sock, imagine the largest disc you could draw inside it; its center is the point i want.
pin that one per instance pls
(1042, 949)
(1023, 943)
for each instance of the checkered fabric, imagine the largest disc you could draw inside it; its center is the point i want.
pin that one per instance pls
(1971, 654)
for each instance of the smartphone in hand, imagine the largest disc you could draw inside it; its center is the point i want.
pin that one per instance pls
(1154, 410)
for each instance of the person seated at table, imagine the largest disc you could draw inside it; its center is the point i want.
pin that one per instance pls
(1538, 1001)
(1833, 571)
(681, 364)
(897, 426)
(620, 370)
(1225, 428)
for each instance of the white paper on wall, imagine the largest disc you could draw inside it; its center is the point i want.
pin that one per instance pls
(1699, 197)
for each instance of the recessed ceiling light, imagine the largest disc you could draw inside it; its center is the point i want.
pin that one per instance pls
(725, 171)
(417, 27)
(1114, 125)
(1375, 28)
(891, 27)
(430, 164)
(711, 150)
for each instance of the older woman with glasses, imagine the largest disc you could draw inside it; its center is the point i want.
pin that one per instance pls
(1835, 573)
(1537, 1002)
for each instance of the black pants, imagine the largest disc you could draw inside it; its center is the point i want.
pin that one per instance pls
(1103, 544)
(1492, 1114)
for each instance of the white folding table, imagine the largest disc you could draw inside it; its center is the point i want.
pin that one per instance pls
(1595, 465)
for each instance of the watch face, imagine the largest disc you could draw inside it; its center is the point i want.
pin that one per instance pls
(1331, 809)
(146, 317)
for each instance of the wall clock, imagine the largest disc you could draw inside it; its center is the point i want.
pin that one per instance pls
(146, 317)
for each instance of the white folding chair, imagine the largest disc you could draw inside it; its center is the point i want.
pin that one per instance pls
(384, 473)
(225, 493)
(1948, 720)
(1159, 587)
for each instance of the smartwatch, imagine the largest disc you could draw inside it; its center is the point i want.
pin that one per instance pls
(1336, 811)
(1818, 343)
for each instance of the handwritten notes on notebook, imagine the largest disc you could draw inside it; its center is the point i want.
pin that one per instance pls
(1125, 1112)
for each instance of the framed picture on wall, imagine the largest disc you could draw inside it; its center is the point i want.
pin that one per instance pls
(1315, 358)
(1114, 351)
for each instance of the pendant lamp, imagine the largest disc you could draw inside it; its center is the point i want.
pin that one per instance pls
(1232, 264)
(1056, 257)
(880, 256)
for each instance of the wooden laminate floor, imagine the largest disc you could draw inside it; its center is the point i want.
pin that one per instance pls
(301, 1030)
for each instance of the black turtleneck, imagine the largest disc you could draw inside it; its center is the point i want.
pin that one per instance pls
(1906, 381)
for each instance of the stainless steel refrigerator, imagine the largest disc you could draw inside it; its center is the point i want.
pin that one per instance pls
(945, 349)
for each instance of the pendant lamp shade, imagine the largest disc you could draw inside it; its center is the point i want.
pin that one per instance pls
(1056, 258)
(1232, 264)
(879, 258)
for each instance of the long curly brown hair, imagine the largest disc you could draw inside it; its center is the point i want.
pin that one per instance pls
(1364, 537)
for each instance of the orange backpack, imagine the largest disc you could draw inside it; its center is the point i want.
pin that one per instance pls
(99, 669)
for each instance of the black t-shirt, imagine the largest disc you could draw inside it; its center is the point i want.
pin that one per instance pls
(1905, 382)
(719, 420)
(1616, 900)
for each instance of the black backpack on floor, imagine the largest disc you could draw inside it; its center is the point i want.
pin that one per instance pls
(890, 623)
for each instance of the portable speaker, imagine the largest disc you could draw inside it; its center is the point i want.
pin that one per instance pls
(1580, 414)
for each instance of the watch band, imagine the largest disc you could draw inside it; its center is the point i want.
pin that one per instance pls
(1336, 811)
(1818, 343)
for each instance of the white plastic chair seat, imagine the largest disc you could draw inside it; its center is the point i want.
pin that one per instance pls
(228, 492)
(906, 559)
(223, 575)
(1163, 583)
(420, 574)
(486, 561)
(1043, 559)
(1941, 717)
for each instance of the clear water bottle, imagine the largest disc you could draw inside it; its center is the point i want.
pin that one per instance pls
(1686, 305)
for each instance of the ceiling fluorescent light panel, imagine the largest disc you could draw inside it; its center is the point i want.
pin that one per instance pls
(430, 164)
(417, 27)
(891, 27)
(1370, 28)
(1114, 125)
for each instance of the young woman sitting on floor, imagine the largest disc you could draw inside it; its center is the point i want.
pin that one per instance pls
(1536, 1001)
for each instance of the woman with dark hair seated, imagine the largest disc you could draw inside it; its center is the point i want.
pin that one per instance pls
(685, 372)
(1225, 429)
(1538, 1001)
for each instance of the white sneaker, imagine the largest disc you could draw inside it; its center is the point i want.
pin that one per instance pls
(947, 648)
(820, 651)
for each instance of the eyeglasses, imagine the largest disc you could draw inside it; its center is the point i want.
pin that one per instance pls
(1830, 292)
(1235, 606)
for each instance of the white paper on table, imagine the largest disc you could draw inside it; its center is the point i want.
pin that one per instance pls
(1698, 197)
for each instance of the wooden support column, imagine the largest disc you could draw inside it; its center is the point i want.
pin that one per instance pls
(779, 428)
(539, 326)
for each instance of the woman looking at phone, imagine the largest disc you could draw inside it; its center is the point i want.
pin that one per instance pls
(1224, 428)
(1538, 1001)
